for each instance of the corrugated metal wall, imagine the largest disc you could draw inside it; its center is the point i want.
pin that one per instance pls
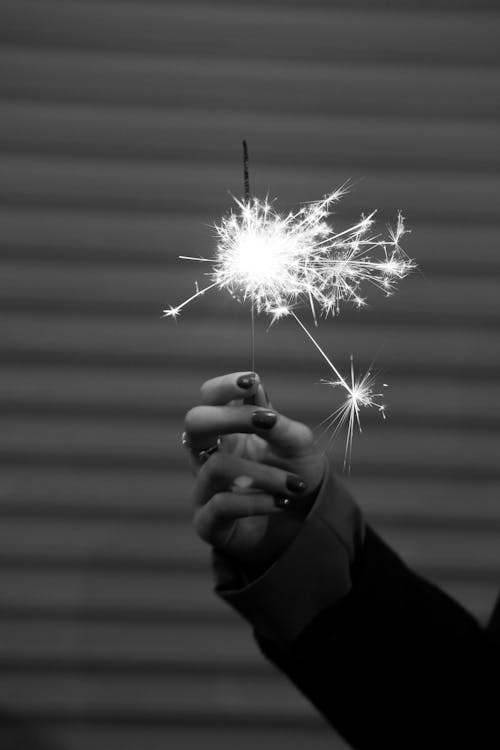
(121, 125)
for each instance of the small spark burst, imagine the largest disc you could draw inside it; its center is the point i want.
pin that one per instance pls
(360, 393)
(280, 262)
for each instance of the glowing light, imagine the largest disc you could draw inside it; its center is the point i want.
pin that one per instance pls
(277, 261)
(280, 262)
(360, 394)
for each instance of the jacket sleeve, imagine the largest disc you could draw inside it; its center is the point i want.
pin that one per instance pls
(312, 572)
(395, 663)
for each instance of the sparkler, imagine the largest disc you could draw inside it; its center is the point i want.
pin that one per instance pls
(280, 262)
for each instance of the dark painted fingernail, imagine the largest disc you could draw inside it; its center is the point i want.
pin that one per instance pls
(246, 381)
(294, 484)
(282, 502)
(264, 419)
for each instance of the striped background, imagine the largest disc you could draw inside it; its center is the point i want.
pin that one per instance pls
(121, 124)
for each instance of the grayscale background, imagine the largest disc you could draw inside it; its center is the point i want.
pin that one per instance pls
(120, 134)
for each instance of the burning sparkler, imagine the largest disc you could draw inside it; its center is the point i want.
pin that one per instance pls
(280, 262)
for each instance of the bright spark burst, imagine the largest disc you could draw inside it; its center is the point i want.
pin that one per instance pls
(281, 262)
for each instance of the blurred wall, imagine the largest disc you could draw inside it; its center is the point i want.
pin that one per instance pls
(121, 123)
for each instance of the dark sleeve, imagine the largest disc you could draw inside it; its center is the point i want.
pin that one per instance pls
(310, 574)
(396, 663)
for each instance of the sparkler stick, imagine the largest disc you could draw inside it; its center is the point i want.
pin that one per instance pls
(246, 183)
(246, 178)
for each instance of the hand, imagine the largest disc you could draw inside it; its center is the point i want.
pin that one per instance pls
(251, 495)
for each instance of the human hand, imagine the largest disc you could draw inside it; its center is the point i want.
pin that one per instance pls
(252, 494)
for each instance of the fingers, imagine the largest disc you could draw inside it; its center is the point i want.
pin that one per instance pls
(225, 388)
(224, 471)
(204, 424)
(236, 385)
(216, 521)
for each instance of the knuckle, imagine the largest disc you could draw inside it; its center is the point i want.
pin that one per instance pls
(296, 435)
(205, 391)
(215, 473)
(192, 419)
(201, 526)
(218, 505)
(205, 476)
(305, 434)
(215, 466)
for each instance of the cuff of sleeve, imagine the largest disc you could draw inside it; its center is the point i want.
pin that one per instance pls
(311, 574)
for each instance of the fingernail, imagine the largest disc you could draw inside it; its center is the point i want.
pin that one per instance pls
(295, 484)
(282, 502)
(264, 419)
(246, 381)
(243, 482)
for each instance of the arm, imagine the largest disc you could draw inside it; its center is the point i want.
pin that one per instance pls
(390, 660)
(395, 663)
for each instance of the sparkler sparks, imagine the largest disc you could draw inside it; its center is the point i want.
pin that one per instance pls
(277, 261)
(360, 394)
(280, 262)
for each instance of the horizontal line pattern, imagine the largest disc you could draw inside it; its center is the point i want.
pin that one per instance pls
(162, 82)
(201, 30)
(145, 188)
(120, 125)
(361, 142)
